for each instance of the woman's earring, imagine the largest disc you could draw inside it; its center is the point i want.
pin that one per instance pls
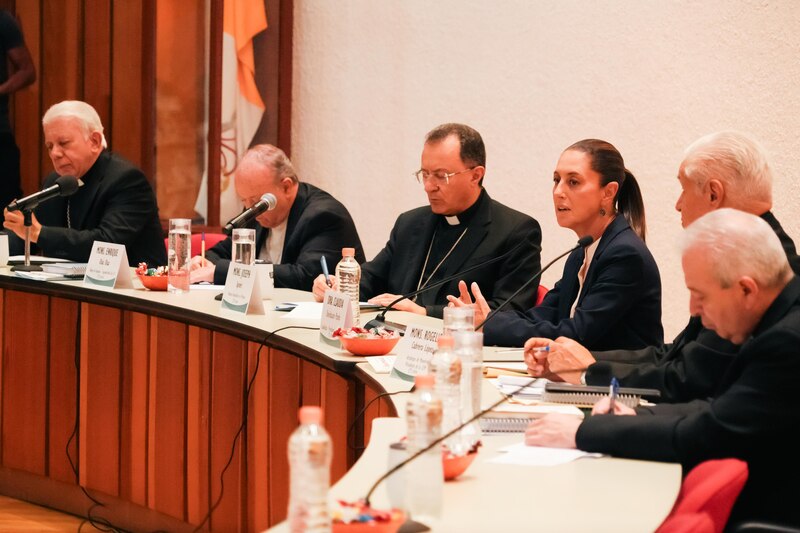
(602, 212)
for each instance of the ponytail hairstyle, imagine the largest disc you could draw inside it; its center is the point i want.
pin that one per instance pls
(607, 162)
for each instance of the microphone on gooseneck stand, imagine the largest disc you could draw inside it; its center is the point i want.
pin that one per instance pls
(380, 320)
(266, 203)
(583, 242)
(63, 186)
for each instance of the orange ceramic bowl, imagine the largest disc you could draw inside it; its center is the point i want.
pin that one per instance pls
(154, 283)
(454, 466)
(366, 346)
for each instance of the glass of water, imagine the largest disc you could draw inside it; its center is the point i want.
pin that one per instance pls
(244, 246)
(458, 319)
(180, 253)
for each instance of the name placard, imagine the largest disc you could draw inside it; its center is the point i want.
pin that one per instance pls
(336, 313)
(108, 266)
(242, 293)
(266, 280)
(414, 352)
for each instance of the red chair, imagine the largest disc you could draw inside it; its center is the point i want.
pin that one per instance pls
(540, 294)
(706, 497)
(211, 240)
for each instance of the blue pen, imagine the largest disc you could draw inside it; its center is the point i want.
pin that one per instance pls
(613, 392)
(324, 263)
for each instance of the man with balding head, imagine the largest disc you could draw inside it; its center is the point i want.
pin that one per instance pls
(115, 202)
(725, 169)
(742, 287)
(306, 223)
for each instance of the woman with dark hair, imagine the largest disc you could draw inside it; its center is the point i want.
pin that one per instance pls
(609, 296)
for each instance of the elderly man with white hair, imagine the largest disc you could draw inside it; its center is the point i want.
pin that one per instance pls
(742, 287)
(114, 204)
(724, 169)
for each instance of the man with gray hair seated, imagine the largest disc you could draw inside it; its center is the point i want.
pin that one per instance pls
(742, 287)
(307, 223)
(115, 202)
(725, 169)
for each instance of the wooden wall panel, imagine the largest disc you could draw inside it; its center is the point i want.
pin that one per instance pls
(63, 387)
(24, 386)
(97, 28)
(100, 368)
(338, 392)
(284, 400)
(198, 433)
(135, 407)
(126, 126)
(228, 370)
(166, 466)
(258, 468)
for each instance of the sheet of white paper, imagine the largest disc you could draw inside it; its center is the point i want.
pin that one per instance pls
(39, 259)
(509, 385)
(39, 276)
(206, 287)
(520, 454)
(519, 367)
(305, 311)
(381, 364)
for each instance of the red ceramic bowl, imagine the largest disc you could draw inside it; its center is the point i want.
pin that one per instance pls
(366, 346)
(154, 283)
(454, 466)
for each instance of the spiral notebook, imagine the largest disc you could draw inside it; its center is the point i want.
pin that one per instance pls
(514, 417)
(588, 395)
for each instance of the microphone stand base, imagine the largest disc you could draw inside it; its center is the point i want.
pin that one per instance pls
(410, 526)
(26, 268)
(390, 326)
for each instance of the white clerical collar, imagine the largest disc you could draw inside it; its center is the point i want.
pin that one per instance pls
(452, 220)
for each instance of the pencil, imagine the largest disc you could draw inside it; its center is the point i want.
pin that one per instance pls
(203, 247)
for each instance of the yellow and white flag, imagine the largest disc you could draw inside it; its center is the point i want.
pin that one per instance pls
(242, 106)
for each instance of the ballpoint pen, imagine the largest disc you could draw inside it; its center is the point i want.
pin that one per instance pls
(613, 392)
(203, 247)
(324, 263)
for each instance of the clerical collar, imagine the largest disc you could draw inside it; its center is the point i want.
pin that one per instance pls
(465, 216)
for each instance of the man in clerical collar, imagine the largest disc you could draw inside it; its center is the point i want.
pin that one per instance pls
(115, 202)
(461, 227)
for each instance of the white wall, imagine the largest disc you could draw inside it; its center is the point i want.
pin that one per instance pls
(371, 77)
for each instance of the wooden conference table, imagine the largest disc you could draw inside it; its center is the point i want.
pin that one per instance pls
(133, 399)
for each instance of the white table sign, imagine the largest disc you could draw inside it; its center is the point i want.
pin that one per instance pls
(415, 351)
(336, 313)
(108, 266)
(266, 279)
(242, 293)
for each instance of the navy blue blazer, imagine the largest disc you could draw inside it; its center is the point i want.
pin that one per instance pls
(619, 306)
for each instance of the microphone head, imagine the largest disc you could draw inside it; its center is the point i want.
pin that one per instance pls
(585, 241)
(67, 185)
(270, 200)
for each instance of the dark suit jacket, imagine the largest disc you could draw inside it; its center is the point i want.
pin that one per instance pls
(691, 366)
(752, 416)
(116, 204)
(493, 230)
(619, 306)
(318, 225)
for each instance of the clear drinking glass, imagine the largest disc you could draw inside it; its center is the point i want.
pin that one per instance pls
(458, 319)
(244, 246)
(180, 253)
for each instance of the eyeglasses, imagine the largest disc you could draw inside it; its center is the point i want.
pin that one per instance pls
(439, 176)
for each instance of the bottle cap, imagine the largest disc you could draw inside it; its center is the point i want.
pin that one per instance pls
(310, 414)
(445, 341)
(424, 380)
(348, 252)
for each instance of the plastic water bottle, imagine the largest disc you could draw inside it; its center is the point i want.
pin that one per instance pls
(310, 454)
(468, 347)
(446, 366)
(348, 276)
(425, 477)
(458, 319)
